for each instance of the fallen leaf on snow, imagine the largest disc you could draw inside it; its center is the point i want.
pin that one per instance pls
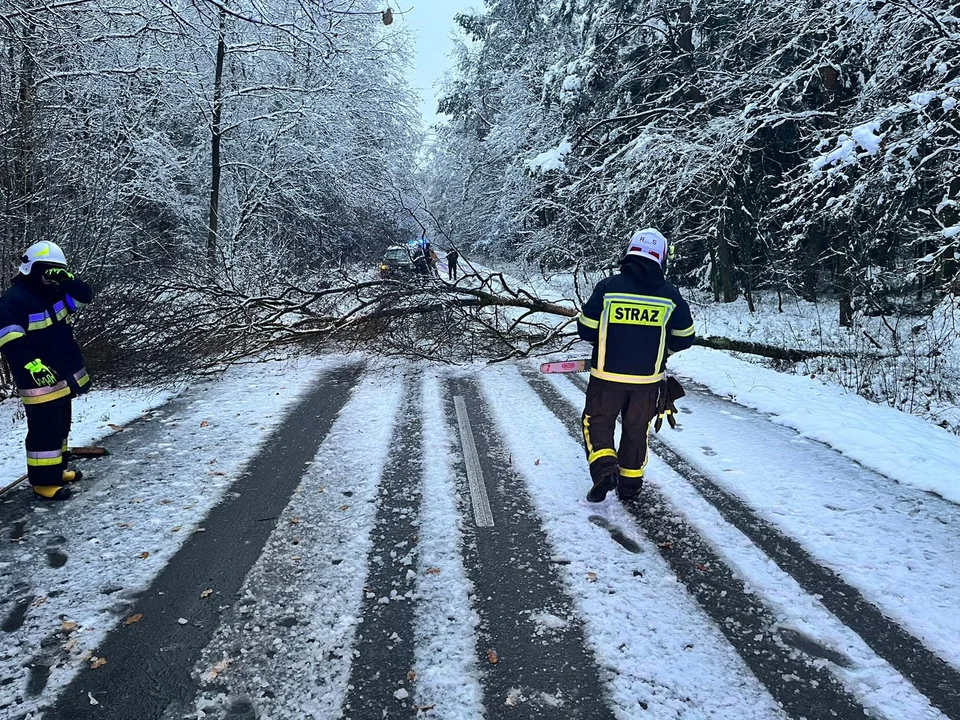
(96, 662)
(133, 619)
(115, 428)
(144, 555)
(176, 529)
(294, 521)
(68, 626)
(411, 676)
(219, 668)
(344, 507)
(204, 423)
(207, 593)
(433, 571)
(39, 601)
(591, 577)
(492, 657)
(125, 525)
(537, 461)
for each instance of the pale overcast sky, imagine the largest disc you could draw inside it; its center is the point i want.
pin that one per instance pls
(433, 22)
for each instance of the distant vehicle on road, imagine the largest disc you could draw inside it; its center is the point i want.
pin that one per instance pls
(397, 263)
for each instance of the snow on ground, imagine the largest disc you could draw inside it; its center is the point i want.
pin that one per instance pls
(870, 678)
(654, 644)
(447, 675)
(154, 491)
(900, 446)
(95, 415)
(301, 602)
(905, 361)
(882, 539)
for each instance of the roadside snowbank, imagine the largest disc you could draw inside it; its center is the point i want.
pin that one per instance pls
(903, 447)
(95, 415)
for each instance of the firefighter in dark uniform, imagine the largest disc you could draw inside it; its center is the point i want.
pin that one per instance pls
(36, 338)
(635, 321)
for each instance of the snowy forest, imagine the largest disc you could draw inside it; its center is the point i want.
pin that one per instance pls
(802, 146)
(186, 152)
(234, 169)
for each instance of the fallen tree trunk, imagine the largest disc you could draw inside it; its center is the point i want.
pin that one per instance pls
(777, 353)
(773, 352)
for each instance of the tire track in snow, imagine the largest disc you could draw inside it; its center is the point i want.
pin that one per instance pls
(134, 509)
(285, 649)
(149, 662)
(932, 676)
(530, 641)
(381, 678)
(802, 688)
(448, 679)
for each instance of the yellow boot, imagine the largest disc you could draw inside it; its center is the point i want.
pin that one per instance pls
(72, 476)
(51, 492)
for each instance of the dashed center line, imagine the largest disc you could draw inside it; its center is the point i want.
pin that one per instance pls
(478, 489)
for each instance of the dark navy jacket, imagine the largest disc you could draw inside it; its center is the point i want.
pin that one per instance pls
(35, 324)
(635, 320)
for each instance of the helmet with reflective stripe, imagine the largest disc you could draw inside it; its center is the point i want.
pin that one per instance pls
(42, 252)
(648, 243)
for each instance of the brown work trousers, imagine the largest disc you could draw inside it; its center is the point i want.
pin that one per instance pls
(637, 404)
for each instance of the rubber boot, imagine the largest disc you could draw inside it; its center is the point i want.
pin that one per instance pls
(601, 487)
(51, 492)
(628, 492)
(72, 476)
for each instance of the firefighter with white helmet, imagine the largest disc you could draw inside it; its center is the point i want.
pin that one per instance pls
(635, 321)
(36, 338)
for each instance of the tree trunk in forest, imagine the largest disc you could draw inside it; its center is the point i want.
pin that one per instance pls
(215, 136)
(25, 180)
(686, 47)
(830, 96)
(844, 284)
(714, 276)
(724, 266)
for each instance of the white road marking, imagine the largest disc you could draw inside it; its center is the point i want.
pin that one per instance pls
(478, 490)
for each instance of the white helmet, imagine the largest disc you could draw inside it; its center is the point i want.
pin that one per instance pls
(42, 252)
(648, 243)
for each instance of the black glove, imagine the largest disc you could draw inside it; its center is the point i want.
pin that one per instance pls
(670, 391)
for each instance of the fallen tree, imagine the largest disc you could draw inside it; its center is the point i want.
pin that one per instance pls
(196, 319)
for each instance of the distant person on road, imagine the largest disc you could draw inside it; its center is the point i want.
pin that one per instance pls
(635, 321)
(453, 258)
(36, 337)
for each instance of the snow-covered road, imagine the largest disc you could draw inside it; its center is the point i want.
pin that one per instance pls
(414, 540)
